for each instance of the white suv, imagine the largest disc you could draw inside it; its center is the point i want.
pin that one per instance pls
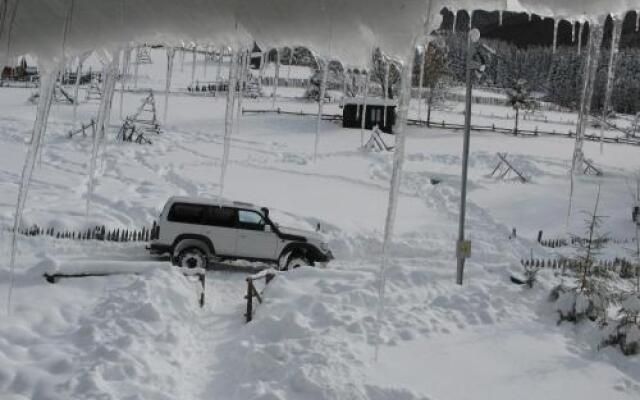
(194, 231)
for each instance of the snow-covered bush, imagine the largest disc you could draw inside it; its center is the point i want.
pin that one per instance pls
(575, 305)
(625, 333)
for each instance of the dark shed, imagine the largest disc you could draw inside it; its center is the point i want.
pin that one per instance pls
(352, 114)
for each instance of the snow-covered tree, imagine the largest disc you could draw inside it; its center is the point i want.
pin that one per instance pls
(625, 333)
(435, 79)
(379, 66)
(519, 98)
(334, 79)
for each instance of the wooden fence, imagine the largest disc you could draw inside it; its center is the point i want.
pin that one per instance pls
(252, 291)
(621, 265)
(199, 273)
(477, 128)
(564, 242)
(144, 234)
(328, 117)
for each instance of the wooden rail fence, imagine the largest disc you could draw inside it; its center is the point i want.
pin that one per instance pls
(252, 291)
(478, 128)
(198, 273)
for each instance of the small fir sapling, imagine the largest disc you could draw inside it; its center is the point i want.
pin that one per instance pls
(588, 296)
(625, 332)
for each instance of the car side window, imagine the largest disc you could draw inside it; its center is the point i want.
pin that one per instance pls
(250, 220)
(186, 213)
(220, 216)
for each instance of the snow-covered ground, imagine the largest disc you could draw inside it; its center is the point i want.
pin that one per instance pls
(144, 337)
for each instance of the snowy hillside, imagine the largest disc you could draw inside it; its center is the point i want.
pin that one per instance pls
(143, 337)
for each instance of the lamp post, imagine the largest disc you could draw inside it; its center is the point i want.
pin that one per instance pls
(463, 247)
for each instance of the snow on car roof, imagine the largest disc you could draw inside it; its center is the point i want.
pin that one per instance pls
(213, 201)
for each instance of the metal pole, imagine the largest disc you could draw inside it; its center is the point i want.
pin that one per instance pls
(465, 162)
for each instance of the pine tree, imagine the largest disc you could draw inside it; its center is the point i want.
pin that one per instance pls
(519, 98)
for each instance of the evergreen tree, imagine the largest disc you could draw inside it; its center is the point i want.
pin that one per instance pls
(519, 98)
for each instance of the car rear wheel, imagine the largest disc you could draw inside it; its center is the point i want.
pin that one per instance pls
(191, 257)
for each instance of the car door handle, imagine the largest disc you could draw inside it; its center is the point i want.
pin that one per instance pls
(243, 236)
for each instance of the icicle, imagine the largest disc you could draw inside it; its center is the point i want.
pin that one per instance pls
(219, 68)
(365, 93)
(323, 88)
(421, 81)
(406, 74)
(385, 95)
(206, 57)
(47, 87)
(125, 72)
(263, 63)
(171, 52)
(11, 21)
(455, 21)
(110, 74)
(396, 177)
(276, 79)
(345, 81)
(109, 94)
(289, 67)
(530, 16)
(228, 120)
(555, 34)
(500, 18)
(573, 32)
(590, 70)
(182, 55)
(244, 61)
(470, 19)
(616, 32)
(135, 68)
(193, 69)
(580, 32)
(76, 98)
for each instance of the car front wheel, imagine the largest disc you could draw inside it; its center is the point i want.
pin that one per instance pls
(294, 260)
(191, 257)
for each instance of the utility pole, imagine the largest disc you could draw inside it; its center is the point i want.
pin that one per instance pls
(463, 247)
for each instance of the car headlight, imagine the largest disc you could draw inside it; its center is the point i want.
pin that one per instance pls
(324, 246)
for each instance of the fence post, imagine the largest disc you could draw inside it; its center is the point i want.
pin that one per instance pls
(249, 298)
(201, 279)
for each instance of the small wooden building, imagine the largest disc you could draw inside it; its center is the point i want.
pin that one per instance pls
(352, 113)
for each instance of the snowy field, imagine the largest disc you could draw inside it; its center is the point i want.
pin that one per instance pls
(143, 337)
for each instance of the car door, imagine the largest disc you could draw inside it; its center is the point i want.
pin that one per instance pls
(254, 241)
(220, 224)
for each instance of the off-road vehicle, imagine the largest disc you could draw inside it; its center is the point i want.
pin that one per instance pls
(196, 231)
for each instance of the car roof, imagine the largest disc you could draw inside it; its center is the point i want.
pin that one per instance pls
(213, 201)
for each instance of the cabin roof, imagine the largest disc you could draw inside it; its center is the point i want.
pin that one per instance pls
(371, 101)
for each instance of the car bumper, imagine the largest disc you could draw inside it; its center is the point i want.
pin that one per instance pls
(159, 249)
(325, 257)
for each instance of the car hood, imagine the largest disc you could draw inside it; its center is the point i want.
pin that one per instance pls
(309, 235)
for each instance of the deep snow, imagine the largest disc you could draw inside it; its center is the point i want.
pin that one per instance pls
(144, 336)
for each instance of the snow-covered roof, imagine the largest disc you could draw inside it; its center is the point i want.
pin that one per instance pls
(371, 101)
(339, 29)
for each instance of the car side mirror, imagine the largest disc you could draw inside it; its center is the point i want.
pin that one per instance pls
(267, 228)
